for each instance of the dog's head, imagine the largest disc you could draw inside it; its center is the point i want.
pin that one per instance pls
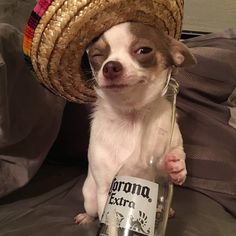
(130, 62)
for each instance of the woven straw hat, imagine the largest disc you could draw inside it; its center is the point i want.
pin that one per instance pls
(59, 31)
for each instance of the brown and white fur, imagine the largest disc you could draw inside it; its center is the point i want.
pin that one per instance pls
(130, 64)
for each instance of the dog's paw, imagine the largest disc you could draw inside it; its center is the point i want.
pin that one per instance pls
(171, 213)
(83, 218)
(176, 168)
(159, 212)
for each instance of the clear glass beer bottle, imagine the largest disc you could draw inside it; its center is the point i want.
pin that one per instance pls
(140, 195)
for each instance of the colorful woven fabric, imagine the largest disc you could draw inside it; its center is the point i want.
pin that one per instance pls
(32, 24)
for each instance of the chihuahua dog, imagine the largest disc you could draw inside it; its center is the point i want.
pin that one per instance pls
(131, 65)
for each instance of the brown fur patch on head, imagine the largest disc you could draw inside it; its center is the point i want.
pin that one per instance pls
(147, 37)
(98, 53)
(165, 52)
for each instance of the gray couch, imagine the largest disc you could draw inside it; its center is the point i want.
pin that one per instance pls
(43, 146)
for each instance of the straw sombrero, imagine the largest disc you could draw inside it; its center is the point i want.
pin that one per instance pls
(59, 31)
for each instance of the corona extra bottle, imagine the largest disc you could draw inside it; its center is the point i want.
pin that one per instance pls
(140, 195)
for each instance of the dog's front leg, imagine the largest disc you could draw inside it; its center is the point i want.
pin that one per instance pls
(90, 201)
(174, 160)
(102, 195)
(167, 151)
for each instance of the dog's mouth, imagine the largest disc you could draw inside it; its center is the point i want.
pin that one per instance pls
(120, 86)
(115, 86)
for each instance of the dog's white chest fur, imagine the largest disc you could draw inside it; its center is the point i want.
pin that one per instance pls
(113, 139)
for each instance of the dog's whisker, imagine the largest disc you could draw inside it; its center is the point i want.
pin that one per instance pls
(90, 80)
(88, 73)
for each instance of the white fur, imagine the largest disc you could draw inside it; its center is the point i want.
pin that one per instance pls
(122, 123)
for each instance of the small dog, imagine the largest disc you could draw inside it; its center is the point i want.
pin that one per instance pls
(131, 63)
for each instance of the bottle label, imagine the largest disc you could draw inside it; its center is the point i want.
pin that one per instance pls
(131, 205)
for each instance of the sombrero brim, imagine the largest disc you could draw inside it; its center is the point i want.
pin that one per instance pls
(59, 31)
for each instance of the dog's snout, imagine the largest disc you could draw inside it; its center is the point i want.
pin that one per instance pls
(112, 70)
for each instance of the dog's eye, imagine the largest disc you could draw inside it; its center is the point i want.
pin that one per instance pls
(144, 50)
(97, 55)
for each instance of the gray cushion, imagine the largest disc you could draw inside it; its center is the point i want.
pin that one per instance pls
(205, 118)
(30, 116)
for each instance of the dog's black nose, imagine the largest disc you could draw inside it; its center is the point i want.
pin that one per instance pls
(112, 70)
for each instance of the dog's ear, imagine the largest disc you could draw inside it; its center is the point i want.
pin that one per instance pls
(181, 54)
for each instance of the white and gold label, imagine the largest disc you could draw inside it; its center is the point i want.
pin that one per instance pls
(131, 205)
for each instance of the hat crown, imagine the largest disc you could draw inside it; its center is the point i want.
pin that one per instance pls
(58, 32)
